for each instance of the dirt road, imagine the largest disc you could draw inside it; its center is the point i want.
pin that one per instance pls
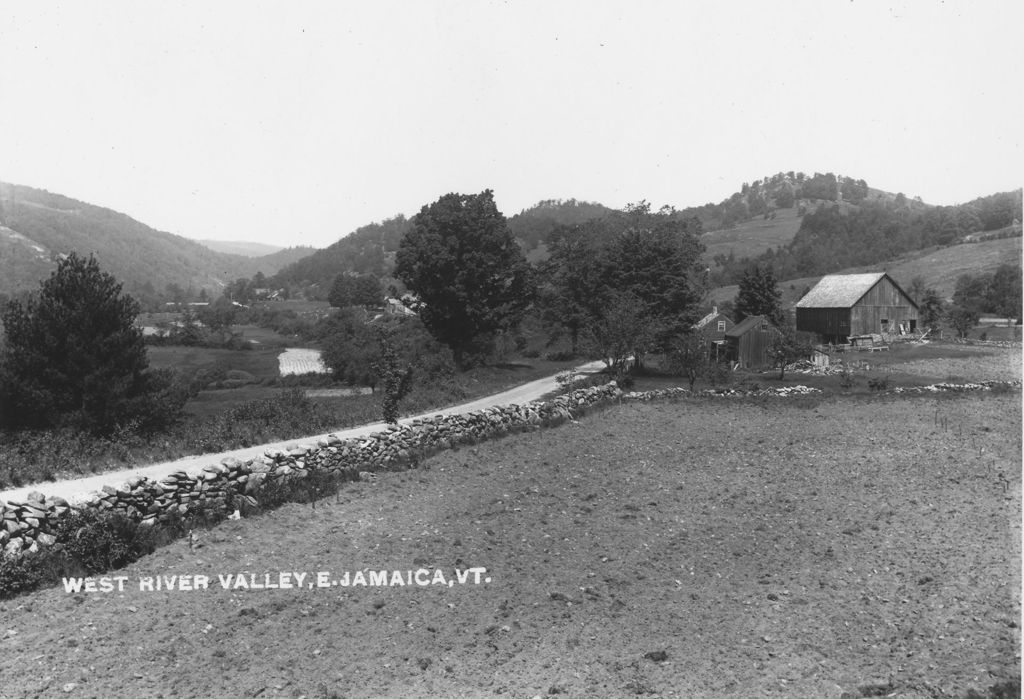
(78, 488)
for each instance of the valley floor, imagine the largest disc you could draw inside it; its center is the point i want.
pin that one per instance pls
(693, 549)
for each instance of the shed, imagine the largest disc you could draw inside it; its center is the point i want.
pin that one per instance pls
(843, 305)
(747, 342)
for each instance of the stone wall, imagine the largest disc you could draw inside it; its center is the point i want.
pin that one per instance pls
(219, 488)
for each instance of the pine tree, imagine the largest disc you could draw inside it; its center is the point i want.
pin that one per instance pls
(759, 295)
(73, 356)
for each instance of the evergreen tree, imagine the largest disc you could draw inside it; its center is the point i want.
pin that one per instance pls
(74, 356)
(759, 295)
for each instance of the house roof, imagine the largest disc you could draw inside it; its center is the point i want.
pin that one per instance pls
(746, 324)
(839, 290)
(710, 317)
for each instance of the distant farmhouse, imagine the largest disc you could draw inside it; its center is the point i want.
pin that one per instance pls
(747, 342)
(842, 306)
(713, 327)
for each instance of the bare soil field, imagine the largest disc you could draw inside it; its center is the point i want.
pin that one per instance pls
(792, 548)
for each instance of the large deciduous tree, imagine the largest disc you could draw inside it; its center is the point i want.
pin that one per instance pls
(355, 290)
(632, 278)
(573, 288)
(467, 271)
(348, 348)
(74, 356)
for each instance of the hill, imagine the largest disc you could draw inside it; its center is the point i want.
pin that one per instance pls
(836, 236)
(754, 237)
(939, 267)
(38, 227)
(371, 249)
(240, 247)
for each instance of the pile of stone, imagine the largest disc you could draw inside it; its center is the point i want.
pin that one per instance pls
(957, 387)
(661, 393)
(676, 392)
(28, 525)
(810, 368)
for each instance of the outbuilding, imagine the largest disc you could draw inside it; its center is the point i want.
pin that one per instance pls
(844, 305)
(747, 342)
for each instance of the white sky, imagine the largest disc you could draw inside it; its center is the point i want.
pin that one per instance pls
(296, 122)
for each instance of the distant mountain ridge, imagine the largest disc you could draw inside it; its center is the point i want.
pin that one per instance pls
(240, 247)
(38, 227)
(802, 224)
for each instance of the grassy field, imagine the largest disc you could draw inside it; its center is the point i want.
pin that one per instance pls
(265, 337)
(261, 362)
(690, 549)
(939, 268)
(753, 237)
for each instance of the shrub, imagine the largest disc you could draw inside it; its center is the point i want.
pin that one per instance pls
(560, 356)
(99, 541)
(19, 574)
(846, 378)
(878, 384)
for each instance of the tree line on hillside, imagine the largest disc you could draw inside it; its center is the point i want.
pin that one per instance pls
(372, 249)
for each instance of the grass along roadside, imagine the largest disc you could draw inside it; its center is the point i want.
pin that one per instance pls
(241, 417)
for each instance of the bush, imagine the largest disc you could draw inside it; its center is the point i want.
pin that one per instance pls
(878, 384)
(846, 378)
(90, 542)
(98, 542)
(19, 574)
(560, 356)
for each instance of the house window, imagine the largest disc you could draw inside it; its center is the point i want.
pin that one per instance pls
(721, 326)
(764, 326)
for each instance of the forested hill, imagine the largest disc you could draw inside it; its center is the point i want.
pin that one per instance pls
(833, 236)
(532, 226)
(37, 227)
(371, 249)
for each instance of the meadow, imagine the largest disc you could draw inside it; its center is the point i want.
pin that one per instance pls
(754, 237)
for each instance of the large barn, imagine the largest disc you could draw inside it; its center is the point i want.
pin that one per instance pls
(845, 305)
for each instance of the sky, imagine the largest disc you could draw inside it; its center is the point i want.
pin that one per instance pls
(294, 123)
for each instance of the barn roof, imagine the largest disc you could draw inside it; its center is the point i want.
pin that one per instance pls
(745, 325)
(839, 290)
